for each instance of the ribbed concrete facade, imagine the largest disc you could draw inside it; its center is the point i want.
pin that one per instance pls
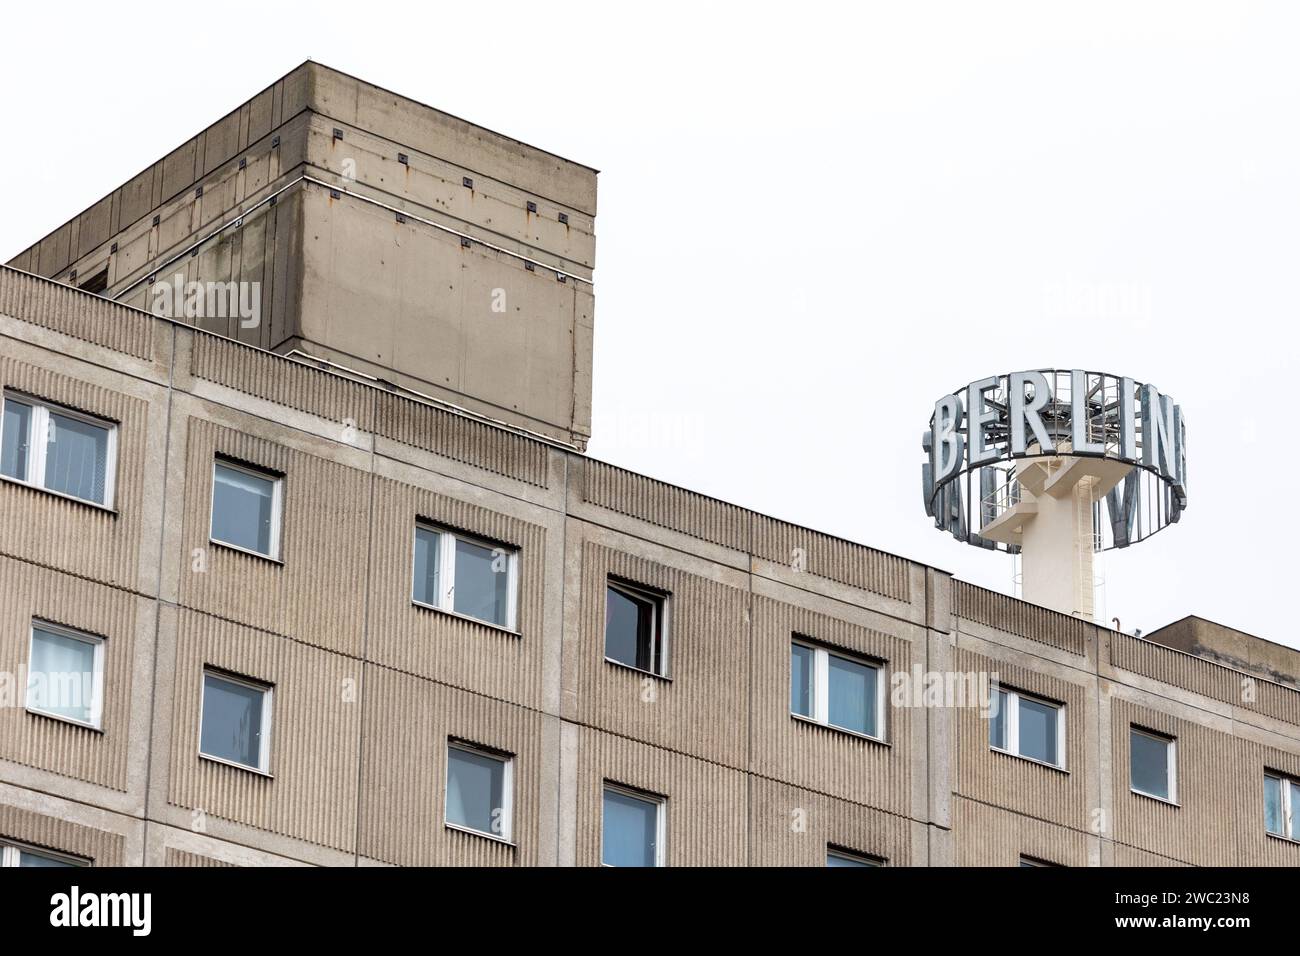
(370, 687)
(423, 358)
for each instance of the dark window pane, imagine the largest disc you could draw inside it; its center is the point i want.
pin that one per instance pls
(61, 677)
(475, 791)
(801, 680)
(630, 830)
(1038, 730)
(630, 630)
(232, 721)
(998, 721)
(836, 859)
(76, 458)
(427, 586)
(482, 582)
(1274, 821)
(96, 283)
(852, 693)
(27, 858)
(242, 509)
(13, 440)
(1149, 764)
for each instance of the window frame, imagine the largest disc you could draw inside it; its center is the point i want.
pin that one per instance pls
(506, 835)
(660, 804)
(97, 691)
(1171, 764)
(264, 741)
(38, 450)
(820, 691)
(1012, 725)
(660, 600)
(277, 506)
(11, 854)
(862, 859)
(446, 557)
(1289, 808)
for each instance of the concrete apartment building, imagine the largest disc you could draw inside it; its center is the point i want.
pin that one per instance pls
(255, 530)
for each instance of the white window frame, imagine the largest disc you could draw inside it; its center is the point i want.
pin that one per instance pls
(1288, 784)
(821, 704)
(865, 859)
(1012, 724)
(277, 505)
(507, 790)
(661, 819)
(1171, 764)
(264, 741)
(446, 556)
(11, 853)
(97, 690)
(36, 450)
(660, 601)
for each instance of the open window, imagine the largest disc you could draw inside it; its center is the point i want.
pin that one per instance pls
(636, 631)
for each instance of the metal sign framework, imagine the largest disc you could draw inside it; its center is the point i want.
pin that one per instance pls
(980, 435)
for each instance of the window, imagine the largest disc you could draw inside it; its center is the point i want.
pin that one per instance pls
(633, 828)
(65, 674)
(1028, 727)
(636, 627)
(97, 283)
(1151, 764)
(1032, 861)
(835, 690)
(1282, 806)
(246, 509)
(236, 721)
(837, 857)
(58, 450)
(466, 576)
(15, 854)
(479, 790)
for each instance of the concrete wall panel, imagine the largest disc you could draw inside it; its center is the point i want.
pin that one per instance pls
(408, 723)
(701, 708)
(992, 836)
(445, 647)
(814, 757)
(790, 826)
(311, 791)
(707, 805)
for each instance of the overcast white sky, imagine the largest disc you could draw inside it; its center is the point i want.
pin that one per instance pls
(816, 219)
